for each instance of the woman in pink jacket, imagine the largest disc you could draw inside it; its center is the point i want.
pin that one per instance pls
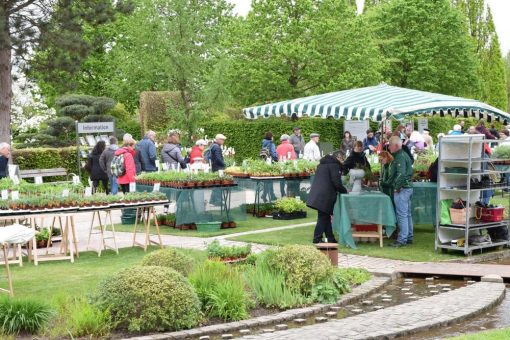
(129, 164)
(285, 150)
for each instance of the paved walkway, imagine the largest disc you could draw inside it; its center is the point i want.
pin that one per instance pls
(457, 269)
(374, 265)
(403, 319)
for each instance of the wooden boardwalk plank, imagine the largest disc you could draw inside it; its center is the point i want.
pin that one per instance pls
(457, 269)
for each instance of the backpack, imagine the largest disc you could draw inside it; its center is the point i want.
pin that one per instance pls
(117, 165)
(207, 155)
(264, 153)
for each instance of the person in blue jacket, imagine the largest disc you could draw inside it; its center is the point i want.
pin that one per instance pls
(370, 143)
(268, 144)
(147, 150)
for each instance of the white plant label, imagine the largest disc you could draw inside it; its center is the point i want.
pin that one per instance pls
(15, 179)
(132, 187)
(165, 167)
(5, 195)
(88, 191)
(157, 164)
(76, 180)
(38, 180)
(220, 173)
(15, 195)
(156, 187)
(298, 198)
(65, 193)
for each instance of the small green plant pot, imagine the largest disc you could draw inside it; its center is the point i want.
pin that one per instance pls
(208, 226)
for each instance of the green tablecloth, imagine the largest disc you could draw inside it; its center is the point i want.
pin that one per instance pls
(223, 204)
(366, 208)
(424, 202)
(272, 189)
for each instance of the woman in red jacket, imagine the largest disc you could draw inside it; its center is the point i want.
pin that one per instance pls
(129, 164)
(197, 151)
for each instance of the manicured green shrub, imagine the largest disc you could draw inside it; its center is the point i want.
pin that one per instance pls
(170, 258)
(302, 266)
(270, 289)
(221, 290)
(330, 289)
(149, 299)
(23, 316)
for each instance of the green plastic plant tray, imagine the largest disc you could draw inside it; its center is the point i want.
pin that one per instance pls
(208, 226)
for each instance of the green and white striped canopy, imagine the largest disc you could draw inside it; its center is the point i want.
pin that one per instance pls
(377, 103)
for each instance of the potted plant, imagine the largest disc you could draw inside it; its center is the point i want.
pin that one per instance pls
(288, 208)
(227, 254)
(42, 238)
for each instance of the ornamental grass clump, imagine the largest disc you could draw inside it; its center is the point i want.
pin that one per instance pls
(149, 299)
(221, 290)
(302, 266)
(23, 316)
(170, 258)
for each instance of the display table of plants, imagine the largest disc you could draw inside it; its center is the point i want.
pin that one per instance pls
(203, 201)
(185, 180)
(28, 198)
(298, 169)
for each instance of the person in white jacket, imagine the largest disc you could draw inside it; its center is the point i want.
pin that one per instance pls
(312, 152)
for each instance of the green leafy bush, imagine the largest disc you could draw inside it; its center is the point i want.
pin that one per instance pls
(23, 316)
(331, 288)
(170, 258)
(221, 290)
(149, 299)
(270, 289)
(355, 276)
(302, 266)
(502, 152)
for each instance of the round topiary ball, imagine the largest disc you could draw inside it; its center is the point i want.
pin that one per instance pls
(149, 299)
(171, 258)
(302, 266)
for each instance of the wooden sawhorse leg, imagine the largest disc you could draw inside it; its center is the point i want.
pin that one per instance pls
(148, 214)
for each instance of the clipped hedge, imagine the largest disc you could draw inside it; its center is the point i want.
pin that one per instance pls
(46, 158)
(170, 258)
(149, 299)
(246, 135)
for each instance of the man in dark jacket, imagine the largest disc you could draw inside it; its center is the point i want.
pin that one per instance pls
(5, 153)
(323, 193)
(400, 174)
(217, 162)
(105, 161)
(357, 159)
(147, 150)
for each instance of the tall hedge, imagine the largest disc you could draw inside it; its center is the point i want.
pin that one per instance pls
(246, 135)
(46, 158)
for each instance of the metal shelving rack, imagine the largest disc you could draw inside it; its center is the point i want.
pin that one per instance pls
(463, 151)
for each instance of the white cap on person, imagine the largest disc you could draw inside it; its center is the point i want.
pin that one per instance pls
(220, 136)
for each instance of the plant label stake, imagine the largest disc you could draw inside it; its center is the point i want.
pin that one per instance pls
(15, 195)
(165, 166)
(132, 187)
(15, 179)
(76, 180)
(88, 191)
(38, 180)
(220, 173)
(156, 187)
(65, 193)
(5, 195)
(157, 165)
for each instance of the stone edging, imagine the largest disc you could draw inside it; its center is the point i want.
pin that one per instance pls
(357, 293)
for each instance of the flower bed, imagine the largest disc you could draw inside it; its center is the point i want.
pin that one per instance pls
(227, 253)
(298, 169)
(185, 180)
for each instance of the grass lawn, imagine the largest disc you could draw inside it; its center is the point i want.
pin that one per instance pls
(421, 250)
(251, 223)
(495, 334)
(51, 279)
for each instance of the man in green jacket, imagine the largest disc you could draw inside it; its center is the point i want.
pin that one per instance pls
(400, 179)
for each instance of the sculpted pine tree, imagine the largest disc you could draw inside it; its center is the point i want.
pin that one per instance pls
(56, 26)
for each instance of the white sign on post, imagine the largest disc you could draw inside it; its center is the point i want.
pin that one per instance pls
(88, 191)
(95, 127)
(15, 195)
(423, 123)
(38, 180)
(5, 195)
(76, 180)
(156, 187)
(132, 187)
(357, 128)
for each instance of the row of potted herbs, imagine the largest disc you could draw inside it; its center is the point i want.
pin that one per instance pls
(186, 180)
(300, 168)
(75, 201)
(27, 188)
(227, 253)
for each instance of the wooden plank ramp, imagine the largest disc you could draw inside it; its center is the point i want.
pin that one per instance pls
(457, 269)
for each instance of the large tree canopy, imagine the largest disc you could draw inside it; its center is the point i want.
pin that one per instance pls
(286, 49)
(427, 46)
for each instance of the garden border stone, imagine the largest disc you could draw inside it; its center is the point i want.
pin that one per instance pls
(357, 293)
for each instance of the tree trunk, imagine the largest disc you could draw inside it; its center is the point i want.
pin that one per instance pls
(5, 80)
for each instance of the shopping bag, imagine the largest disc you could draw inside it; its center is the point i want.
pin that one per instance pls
(445, 211)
